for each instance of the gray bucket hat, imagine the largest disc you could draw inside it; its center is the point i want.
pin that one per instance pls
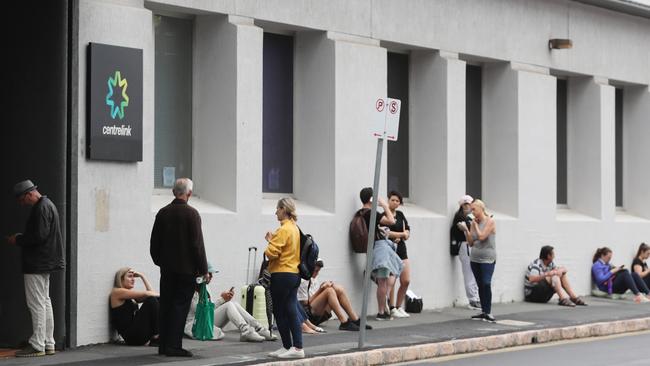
(23, 187)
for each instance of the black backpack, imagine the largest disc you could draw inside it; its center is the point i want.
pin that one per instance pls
(359, 231)
(308, 255)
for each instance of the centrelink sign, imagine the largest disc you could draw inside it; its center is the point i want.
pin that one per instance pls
(114, 130)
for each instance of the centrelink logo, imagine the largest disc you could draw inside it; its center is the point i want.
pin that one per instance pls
(117, 110)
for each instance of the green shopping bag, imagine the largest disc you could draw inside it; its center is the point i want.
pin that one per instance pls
(203, 327)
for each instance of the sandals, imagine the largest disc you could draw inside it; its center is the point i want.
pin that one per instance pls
(566, 302)
(319, 330)
(578, 301)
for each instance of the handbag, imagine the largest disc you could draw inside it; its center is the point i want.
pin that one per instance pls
(203, 327)
(413, 303)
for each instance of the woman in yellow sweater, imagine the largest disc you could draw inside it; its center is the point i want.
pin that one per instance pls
(283, 252)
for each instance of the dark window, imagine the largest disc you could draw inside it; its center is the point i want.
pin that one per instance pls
(473, 131)
(173, 100)
(277, 156)
(561, 135)
(619, 147)
(398, 151)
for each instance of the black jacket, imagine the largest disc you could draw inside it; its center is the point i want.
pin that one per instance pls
(457, 234)
(177, 240)
(42, 242)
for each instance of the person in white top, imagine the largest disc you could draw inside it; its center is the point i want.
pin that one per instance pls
(320, 299)
(226, 311)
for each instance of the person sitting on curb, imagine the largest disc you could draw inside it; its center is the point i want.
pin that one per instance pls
(616, 280)
(136, 325)
(544, 278)
(639, 264)
(320, 299)
(226, 311)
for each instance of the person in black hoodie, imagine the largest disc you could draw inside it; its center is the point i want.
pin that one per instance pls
(459, 247)
(42, 254)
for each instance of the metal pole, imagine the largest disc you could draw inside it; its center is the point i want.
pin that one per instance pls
(370, 245)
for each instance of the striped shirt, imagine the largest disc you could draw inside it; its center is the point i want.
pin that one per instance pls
(537, 268)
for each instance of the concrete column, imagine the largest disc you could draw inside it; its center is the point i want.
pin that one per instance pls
(437, 109)
(360, 73)
(314, 152)
(500, 138)
(590, 147)
(360, 78)
(537, 146)
(636, 150)
(227, 108)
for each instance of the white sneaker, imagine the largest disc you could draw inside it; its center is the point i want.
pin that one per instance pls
(641, 299)
(396, 313)
(293, 352)
(278, 352)
(250, 335)
(266, 334)
(404, 313)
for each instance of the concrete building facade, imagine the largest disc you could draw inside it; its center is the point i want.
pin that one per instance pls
(340, 67)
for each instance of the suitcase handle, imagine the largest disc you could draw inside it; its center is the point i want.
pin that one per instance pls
(248, 263)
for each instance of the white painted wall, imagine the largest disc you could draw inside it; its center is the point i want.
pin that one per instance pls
(340, 70)
(128, 186)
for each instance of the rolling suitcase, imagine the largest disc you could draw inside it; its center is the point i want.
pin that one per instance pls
(253, 297)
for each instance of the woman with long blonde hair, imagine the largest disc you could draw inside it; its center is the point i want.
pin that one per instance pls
(481, 236)
(138, 325)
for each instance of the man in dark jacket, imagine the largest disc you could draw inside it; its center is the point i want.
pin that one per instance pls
(177, 248)
(42, 253)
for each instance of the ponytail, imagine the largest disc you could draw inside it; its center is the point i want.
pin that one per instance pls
(600, 252)
(642, 248)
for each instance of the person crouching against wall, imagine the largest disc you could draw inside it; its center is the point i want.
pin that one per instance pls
(227, 311)
(617, 279)
(138, 325)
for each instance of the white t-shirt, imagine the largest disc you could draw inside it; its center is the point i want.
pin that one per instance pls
(304, 285)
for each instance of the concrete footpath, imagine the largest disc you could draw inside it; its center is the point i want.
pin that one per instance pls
(422, 336)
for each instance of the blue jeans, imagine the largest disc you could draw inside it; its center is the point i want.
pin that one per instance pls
(483, 274)
(284, 292)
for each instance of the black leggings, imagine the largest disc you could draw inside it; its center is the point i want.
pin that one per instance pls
(145, 323)
(625, 281)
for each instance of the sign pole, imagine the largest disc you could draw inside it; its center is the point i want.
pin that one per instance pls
(371, 242)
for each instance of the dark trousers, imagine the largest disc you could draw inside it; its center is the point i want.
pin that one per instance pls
(176, 291)
(284, 291)
(624, 281)
(145, 323)
(483, 274)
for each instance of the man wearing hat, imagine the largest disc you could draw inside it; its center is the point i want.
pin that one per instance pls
(42, 254)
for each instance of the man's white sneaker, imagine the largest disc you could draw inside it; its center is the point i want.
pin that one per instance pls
(396, 313)
(293, 352)
(266, 334)
(278, 352)
(250, 335)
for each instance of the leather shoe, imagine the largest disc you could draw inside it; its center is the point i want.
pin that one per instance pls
(178, 352)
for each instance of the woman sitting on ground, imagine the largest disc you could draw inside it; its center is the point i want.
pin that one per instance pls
(616, 279)
(639, 264)
(226, 311)
(137, 325)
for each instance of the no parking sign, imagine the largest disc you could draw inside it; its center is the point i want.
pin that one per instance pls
(386, 118)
